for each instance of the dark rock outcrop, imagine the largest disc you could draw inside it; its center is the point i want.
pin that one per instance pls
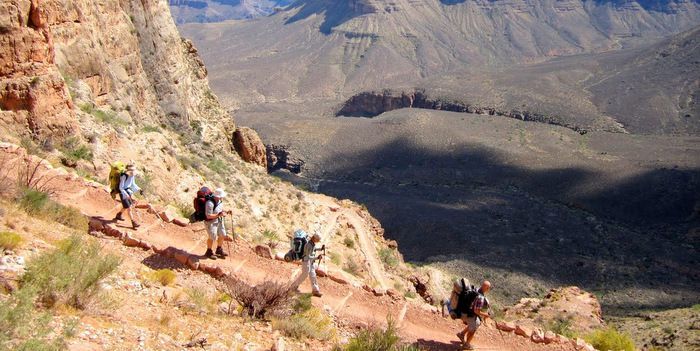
(372, 104)
(279, 157)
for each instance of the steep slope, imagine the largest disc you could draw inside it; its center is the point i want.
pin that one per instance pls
(342, 45)
(186, 11)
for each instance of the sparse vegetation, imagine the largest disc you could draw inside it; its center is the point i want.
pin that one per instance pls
(351, 267)
(375, 339)
(218, 166)
(561, 325)
(336, 258)
(163, 276)
(388, 257)
(349, 242)
(258, 300)
(38, 204)
(312, 323)
(70, 274)
(270, 235)
(610, 339)
(150, 129)
(103, 116)
(75, 150)
(10, 240)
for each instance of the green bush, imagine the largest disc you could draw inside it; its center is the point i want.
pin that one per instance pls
(336, 258)
(270, 235)
(9, 240)
(374, 339)
(218, 166)
(349, 242)
(302, 303)
(388, 256)
(70, 274)
(108, 117)
(561, 325)
(75, 150)
(163, 276)
(312, 323)
(38, 204)
(610, 339)
(151, 129)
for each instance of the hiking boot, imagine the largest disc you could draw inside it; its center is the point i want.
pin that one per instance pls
(460, 335)
(317, 294)
(135, 225)
(209, 254)
(118, 217)
(220, 252)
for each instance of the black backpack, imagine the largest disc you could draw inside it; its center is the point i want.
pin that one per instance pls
(466, 299)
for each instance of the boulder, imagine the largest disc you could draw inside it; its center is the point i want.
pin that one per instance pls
(130, 242)
(367, 288)
(321, 272)
(537, 336)
(193, 262)
(379, 291)
(393, 293)
(182, 222)
(549, 337)
(392, 244)
(144, 245)
(505, 326)
(168, 215)
(181, 257)
(263, 251)
(279, 256)
(96, 224)
(279, 345)
(249, 146)
(523, 331)
(337, 277)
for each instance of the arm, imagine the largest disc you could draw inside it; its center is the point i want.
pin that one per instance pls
(209, 211)
(123, 187)
(481, 314)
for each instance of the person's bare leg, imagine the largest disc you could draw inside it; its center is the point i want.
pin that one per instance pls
(209, 243)
(220, 241)
(470, 336)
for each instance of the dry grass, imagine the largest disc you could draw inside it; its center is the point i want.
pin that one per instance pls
(257, 301)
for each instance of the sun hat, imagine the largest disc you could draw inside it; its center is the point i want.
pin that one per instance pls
(220, 193)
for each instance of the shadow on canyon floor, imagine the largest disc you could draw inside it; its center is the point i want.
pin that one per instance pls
(565, 226)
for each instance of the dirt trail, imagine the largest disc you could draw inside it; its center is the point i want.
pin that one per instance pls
(352, 305)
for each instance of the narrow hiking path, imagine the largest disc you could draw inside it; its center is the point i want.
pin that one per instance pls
(364, 239)
(350, 304)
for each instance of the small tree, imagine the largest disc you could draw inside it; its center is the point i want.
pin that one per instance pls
(258, 300)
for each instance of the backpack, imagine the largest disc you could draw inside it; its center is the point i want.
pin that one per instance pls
(299, 241)
(200, 204)
(116, 170)
(462, 298)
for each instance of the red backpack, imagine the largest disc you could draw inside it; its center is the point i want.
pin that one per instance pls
(200, 204)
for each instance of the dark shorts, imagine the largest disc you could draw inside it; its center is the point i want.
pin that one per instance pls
(126, 202)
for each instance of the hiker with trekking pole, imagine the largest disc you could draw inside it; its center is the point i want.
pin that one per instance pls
(122, 180)
(306, 251)
(214, 215)
(470, 305)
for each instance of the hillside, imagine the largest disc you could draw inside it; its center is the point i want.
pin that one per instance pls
(186, 11)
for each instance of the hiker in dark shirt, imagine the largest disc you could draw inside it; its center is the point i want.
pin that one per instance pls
(479, 308)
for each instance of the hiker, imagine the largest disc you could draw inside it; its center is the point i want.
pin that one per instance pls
(214, 222)
(127, 187)
(307, 264)
(475, 314)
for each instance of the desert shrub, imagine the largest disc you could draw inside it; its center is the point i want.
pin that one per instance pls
(610, 339)
(163, 276)
(70, 274)
(103, 116)
(24, 327)
(375, 339)
(38, 204)
(270, 235)
(349, 242)
(184, 209)
(200, 299)
(10, 240)
(388, 257)
(75, 150)
(336, 258)
(410, 294)
(352, 267)
(561, 325)
(151, 129)
(258, 300)
(218, 166)
(24, 174)
(312, 323)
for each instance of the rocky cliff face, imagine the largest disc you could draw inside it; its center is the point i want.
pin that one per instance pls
(123, 58)
(201, 11)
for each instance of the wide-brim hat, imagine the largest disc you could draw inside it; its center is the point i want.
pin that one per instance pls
(220, 193)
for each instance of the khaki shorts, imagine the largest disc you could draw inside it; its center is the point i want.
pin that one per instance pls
(215, 228)
(472, 323)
